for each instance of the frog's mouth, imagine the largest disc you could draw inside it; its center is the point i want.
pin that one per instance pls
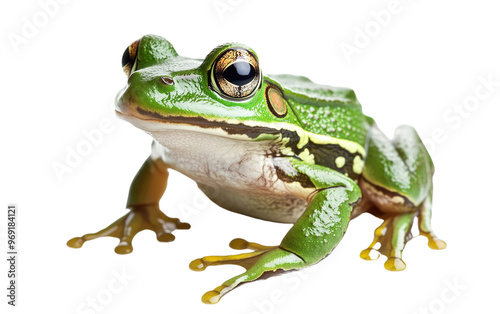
(152, 122)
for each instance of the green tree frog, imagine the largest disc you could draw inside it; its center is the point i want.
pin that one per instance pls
(279, 148)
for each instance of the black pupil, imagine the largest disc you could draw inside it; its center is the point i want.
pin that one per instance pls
(125, 58)
(239, 73)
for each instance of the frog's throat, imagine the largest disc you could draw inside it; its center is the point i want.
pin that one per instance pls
(241, 130)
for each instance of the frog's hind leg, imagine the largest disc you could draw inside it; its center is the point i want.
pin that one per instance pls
(397, 187)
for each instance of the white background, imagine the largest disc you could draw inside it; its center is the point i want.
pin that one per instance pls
(426, 59)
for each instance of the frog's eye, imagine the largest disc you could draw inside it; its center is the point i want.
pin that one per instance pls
(235, 73)
(129, 58)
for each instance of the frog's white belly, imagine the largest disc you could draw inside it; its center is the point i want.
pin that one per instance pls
(236, 174)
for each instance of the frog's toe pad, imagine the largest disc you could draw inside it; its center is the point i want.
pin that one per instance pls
(183, 226)
(213, 296)
(437, 244)
(434, 242)
(124, 248)
(197, 265)
(369, 254)
(76, 243)
(239, 244)
(165, 237)
(394, 264)
(242, 244)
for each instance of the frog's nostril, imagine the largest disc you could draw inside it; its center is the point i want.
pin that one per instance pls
(166, 80)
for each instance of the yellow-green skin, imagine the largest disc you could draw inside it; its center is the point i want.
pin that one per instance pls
(323, 154)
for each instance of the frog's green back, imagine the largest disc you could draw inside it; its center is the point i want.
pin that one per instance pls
(325, 110)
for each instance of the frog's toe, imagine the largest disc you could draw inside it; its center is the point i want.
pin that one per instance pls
(242, 244)
(424, 226)
(124, 248)
(394, 264)
(131, 226)
(244, 260)
(76, 242)
(112, 230)
(162, 236)
(163, 226)
(213, 296)
(369, 254)
(434, 242)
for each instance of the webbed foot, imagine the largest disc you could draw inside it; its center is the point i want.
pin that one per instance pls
(393, 234)
(263, 259)
(139, 218)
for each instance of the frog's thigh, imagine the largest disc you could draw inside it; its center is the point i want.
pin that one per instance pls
(397, 182)
(397, 176)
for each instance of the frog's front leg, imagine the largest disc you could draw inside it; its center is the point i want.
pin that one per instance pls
(146, 190)
(397, 187)
(314, 235)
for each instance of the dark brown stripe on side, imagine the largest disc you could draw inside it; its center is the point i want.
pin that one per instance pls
(252, 132)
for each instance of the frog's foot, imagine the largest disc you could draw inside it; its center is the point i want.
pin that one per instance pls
(392, 235)
(139, 218)
(264, 259)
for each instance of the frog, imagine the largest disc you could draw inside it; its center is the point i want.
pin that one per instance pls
(279, 148)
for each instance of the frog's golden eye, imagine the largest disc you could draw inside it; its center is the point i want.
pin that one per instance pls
(235, 73)
(129, 58)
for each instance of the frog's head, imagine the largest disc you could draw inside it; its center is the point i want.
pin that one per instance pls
(225, 93)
